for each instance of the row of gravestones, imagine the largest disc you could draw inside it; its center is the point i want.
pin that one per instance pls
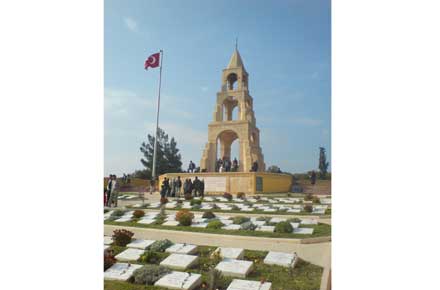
(201, 222)
(182, 257)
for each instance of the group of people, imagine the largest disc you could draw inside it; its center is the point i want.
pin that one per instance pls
(225, 165)
(174, 187)
(111, 192)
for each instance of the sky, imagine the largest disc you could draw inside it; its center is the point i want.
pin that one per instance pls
(286, 49)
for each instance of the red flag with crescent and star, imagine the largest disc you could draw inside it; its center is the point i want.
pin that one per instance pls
(152, 61)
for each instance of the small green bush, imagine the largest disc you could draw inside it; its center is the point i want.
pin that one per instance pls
(152, 257)
(195, 202)
(241, 195)
(208, 215)
(161, 246)
(283, 227)
(316, 200)
(238, 220)
(214, 224)
(106, 210)
(118, 213)
(138, 213)
(149, 274)
(308, 208)
(264, 218)
(184, 217)
(122, 237)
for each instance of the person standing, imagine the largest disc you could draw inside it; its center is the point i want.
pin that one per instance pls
(196, 185)
(235, 165)
(109, 190)
(202, 188)
(178, 185)
(115, 191)
(313, 177)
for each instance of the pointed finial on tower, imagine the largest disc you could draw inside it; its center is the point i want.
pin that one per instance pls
(236, 43)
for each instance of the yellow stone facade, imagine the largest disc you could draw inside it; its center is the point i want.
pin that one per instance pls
(223, 130)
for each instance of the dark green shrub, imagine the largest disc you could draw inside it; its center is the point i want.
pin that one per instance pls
(283, 227)
(216, 224)
(241, 195)
(152, 257)
(308, 208)
(149, 274)
(264, 218)
(117, 213)
(208, 215)
(106, 210)
(316, 200)
(138, 213)
(122, 237)
(161, 246)
(195, 202)
(238, 220)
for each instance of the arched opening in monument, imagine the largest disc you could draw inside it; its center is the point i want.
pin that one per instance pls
(230, 109)
(232, 79)
(228, 148)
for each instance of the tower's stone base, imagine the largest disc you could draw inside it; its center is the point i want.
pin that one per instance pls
(234, 182)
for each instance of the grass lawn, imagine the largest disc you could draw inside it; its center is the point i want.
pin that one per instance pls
(320, 230)
(304, 276)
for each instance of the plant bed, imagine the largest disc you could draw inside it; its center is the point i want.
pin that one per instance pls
(304, 276)
(320, 230)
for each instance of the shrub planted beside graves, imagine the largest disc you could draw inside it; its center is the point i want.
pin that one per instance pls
(241, 195)
(238, 220)
(149, 274)
(195, 202)
(188, 196)
(316, 199)
(117, 213)
(308, 208)
(227, 195)
(163, 200)
(283, 227)
(184, 217)
(216, 224)
(294, 220)
(138, 213)
(109, 259)
(208, 215)
(161, 246)
(122, 237)
(152, 257)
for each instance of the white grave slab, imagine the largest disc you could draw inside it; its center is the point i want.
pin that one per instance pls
(294, 225)
(238, 284)
(259, 223)
(325, 200)
(226, 222)
(179, 280)
(146, 221)
(199, 225)
(123, 219)
(182, 249)
(303, 231)
(318, 211)
(120, 271)
(140, 244)
(171, 223)
(269, 210)
(277, 220)
(129, 255)
(231, 227)
(208, 198)
(294, 210)
(106, 247)
(281, 259)
(309, 221)
(265, 229)
(235, 268)
(231, 253)
(108, 240)
(179, 261)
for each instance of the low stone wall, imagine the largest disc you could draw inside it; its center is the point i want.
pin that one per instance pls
(234, 182)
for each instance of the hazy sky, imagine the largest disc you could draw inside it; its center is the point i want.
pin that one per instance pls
(285, 47)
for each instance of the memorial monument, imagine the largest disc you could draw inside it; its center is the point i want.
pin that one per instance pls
(224, 130)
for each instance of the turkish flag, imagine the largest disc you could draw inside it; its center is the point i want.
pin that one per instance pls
(152, 61)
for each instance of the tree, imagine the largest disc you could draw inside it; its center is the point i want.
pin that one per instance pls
(274, 169)
(168, 158)
(323, 164)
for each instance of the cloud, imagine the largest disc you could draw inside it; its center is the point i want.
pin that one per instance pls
(131, 24)
(307, 121)
(117, 101)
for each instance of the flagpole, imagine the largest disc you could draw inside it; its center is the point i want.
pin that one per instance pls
(153, 174)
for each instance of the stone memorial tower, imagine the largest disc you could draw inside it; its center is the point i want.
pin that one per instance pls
(224, 130)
